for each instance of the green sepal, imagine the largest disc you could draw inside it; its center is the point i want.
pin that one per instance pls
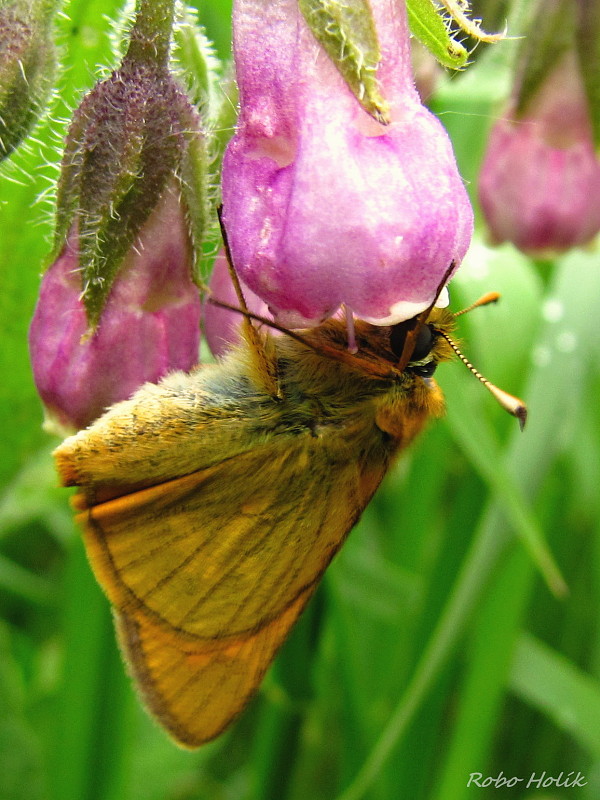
(588, 49)
(67, 194)
(224, 122)
(428, 26)
(114, 204)
(125, 144)
(195, 61)
(347, 33)
(27, 66)
(550, 35)
(194, 178)
(110, 220)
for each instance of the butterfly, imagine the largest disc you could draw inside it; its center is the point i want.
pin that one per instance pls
(212, 503)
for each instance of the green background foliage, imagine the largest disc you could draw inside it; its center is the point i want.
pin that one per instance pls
(456, 632)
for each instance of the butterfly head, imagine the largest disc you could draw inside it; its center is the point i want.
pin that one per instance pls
(416, 346)
(428, 345)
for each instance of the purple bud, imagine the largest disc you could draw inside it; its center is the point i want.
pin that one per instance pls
(149, 326)
(539, 185)
(221, 326)
(323, 204)
(27, 61)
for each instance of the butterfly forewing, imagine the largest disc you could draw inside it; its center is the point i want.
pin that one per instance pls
(209, 571)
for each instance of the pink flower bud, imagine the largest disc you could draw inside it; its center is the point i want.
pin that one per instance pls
(324, 205)
(221, 326)
(149, 326)
(27, 61)
(539, 185)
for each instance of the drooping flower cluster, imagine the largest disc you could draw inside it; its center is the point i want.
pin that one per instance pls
(339, 189)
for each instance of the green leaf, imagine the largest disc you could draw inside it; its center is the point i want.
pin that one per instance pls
(549, 37)
(588, 39)
(347, 32)
(551, 683)
(428, 26)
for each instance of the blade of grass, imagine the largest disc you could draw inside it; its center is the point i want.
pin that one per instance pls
(21, 768)
(20, 581)
(477, 440)
(553, 393)
(87, 748)
(548, 681)
(488, 662)
(277, 738)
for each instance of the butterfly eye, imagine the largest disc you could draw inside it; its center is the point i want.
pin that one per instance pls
(425, 339)
(423, 345)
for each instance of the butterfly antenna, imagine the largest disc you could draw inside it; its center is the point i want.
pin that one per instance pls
(345, 355)
(263, 321)
(265, 366)
(420, 320)
(232, 273)
(510, 403)
(490, 297)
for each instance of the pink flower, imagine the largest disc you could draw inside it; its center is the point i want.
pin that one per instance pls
(539, 185)
(323, 205)
(149, 326)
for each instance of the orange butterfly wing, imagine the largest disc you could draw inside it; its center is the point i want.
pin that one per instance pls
(196, 688)
(208, 572)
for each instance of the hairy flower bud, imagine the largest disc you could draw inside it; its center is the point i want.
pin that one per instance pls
(129, 138)
(323, 203)
(119, 305)
(26, 67)
(150, 324)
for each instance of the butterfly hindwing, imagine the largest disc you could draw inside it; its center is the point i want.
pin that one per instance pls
(208, 572)
(196, 688)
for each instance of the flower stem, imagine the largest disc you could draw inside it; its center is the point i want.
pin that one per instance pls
(151, 32)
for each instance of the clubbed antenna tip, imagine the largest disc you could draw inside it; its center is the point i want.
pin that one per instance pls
(508, 401)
